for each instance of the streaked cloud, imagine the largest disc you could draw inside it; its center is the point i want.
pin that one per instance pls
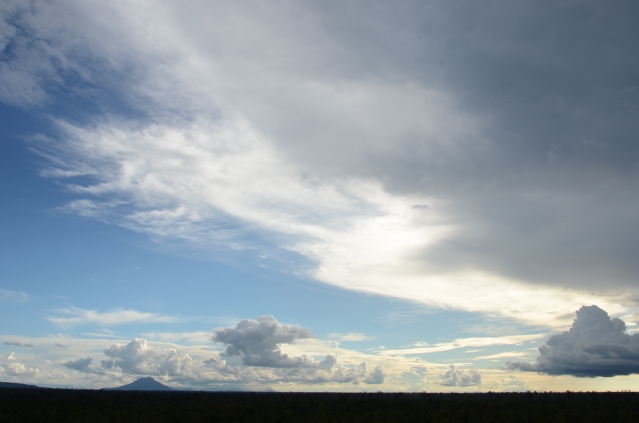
(13, 296)
(507, 354)
(73, 316)
(188, 337)
(350, 337)
(463, 343)
(358, 235)
(18, 344)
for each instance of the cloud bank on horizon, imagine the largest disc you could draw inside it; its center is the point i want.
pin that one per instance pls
(256, 354)
(257, 344)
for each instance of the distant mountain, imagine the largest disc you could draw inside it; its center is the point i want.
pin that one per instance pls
(142, 384)
(16, 385)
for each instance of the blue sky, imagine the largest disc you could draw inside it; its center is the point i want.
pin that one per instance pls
(319, 196)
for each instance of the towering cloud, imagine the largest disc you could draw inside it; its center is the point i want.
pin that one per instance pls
(258, 343)
(595, 345)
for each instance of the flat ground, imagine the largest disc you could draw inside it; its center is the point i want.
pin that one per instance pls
(67, 405)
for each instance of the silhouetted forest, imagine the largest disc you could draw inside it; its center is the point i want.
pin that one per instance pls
(68, 405)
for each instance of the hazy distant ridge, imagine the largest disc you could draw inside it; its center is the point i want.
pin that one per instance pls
(16, 385)
(142, 384)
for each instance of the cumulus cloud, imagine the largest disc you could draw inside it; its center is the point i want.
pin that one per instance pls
(12, 367)
(456, 377)
(81, 364)
(595, 345)
(18, 344)
(312, 363)
(13, 296)
(376, 376)
(258, 342)
(72, 316)
(137, 357)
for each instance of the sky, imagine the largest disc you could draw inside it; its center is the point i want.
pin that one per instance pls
(437, 196)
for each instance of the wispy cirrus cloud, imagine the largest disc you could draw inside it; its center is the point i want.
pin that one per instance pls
(185, 337)
(73, 316)
(13, 296)
(350, 336)
(424, 348)
(507, 354)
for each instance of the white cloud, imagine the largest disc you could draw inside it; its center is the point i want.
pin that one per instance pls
(463, 343)
(223, 185)
(13, 296)
(350, 336)
(76, 316)
(507, 354)
(193, 338)
(12, 367)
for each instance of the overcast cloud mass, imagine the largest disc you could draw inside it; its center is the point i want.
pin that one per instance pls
(468, 157)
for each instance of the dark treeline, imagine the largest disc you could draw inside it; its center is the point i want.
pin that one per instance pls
(68, 405)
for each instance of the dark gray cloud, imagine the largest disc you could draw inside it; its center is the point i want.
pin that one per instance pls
(258, 343)
(81, 364)
(376, 376)
(18, 344)
(554, 165)
(595, 345)
(456, 377)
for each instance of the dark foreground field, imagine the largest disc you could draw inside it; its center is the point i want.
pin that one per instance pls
(63, 405)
